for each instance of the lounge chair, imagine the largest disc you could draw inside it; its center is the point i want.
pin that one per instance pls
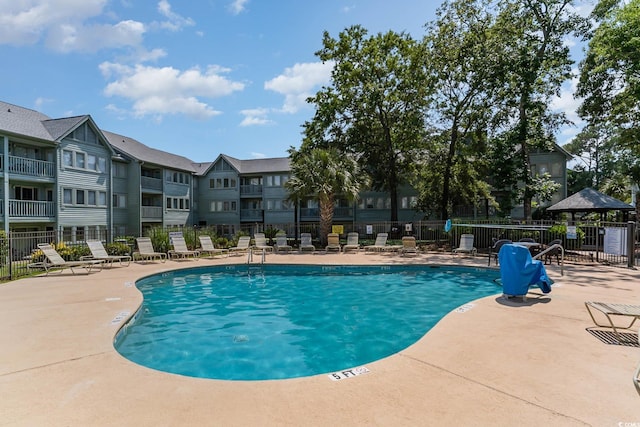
(242, 246)
(261, 243)
(99, 252)
(53, 261)
(180, 249)
(610, 309)
(146, 252)
(306, 243)
(352, 242)
(333, 242)
(207, 247)
(380, 243)
(518, 271)
(636, 374)
(281, 244)
(557, 252)
(466, 245)
(408, 246)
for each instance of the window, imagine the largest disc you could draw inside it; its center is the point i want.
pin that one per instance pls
(67, 158)
(408, 202)
(79, 197)
(67, 196)
(102, 198)
(102, 165)
(80, 160)
(226, 206)
(230, 183)
(91, 162)
(119, 170)
(119, 200)
(91, 198)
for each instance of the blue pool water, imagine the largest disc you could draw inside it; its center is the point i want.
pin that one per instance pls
(276, 321)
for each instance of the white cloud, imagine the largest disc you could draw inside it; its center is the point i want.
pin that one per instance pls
(238, 6)
(255, 117)
(92, 38)
(297, 83)
(175, 22)
(166, 90)
(258, 155)
(40, 102)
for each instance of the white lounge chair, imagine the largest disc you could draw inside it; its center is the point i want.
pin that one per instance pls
(99, 252)
(242, 246)
(631, 312)
(207, 247)
(180, 249)
(281, 244)
(306, 243)
(53, 261)
(466, 245)
(333, 242)
(380, 243)
(146, 252)
(352, 242)
(260, 242)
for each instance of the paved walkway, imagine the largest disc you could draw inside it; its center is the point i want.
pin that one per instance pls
(498, 363)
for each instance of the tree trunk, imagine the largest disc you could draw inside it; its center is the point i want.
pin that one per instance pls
(326, 204)
(446, 181)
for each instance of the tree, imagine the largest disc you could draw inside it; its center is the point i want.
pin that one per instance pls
(375, 106)
(323, 174)
(594, 145)
(458, 57)
(534, 63)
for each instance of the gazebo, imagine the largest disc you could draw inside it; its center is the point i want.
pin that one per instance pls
(590, 200)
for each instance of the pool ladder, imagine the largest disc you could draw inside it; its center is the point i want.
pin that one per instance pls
(250, 256)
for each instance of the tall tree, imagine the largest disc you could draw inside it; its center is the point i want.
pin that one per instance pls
(459, 56)
(610, 80)
(535, 61)
(324, 174)
(375, 105)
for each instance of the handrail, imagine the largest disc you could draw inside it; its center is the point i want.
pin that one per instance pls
(549, 249)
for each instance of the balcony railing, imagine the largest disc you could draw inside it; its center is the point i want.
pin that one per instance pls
(151, 212)
(29, 167)
(252, 215)
(314, 213)
(151, 183)
(29, 209)
(251, 190)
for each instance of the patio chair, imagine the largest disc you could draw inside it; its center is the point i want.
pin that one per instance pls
(518, 271)
(466, 245)
(352, 242)
(306, 243)
(99, 252)
(380, 243)
(180, 249)
(54, 261)
(281, 244)
(408, 246)
(146, 252)
(261, 242)
(333, 242)
(207, 247)
(495, 249)
(609, 310)
(557, 252)
(636, 374)
(242, 246)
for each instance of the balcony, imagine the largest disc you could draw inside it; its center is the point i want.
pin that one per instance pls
(148, 183)
(151, 213)
(252, 215)
(313, 214)
(31, 209)
(29, 167)
(251, 190)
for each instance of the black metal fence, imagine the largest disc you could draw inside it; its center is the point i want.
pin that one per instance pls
(610, 243)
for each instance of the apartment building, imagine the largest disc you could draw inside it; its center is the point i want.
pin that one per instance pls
(68, 175)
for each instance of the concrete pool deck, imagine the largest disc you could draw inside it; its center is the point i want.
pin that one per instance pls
(494, 362)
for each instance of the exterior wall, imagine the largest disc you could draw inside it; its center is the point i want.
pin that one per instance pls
(177, 198)
(219, 196)
(78, 184)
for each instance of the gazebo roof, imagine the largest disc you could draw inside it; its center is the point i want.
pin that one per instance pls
(590, 200)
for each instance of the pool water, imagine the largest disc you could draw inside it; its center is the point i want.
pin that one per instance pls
(276, 321)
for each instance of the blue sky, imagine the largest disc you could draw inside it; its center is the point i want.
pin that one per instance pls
(195, 78)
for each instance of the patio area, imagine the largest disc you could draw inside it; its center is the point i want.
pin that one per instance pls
(492, 362)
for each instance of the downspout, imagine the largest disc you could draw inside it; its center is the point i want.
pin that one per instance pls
(5, 177)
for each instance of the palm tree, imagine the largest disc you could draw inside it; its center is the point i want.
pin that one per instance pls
(323, 174)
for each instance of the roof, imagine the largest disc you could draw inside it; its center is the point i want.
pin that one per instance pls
(255, 166)
(590, 200)
(58, 128)
(23, 121)
(141, 152)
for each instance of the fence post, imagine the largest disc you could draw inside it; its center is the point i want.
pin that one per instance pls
(631, 244)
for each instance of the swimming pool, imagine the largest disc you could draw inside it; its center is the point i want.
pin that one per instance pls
(286, 321)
